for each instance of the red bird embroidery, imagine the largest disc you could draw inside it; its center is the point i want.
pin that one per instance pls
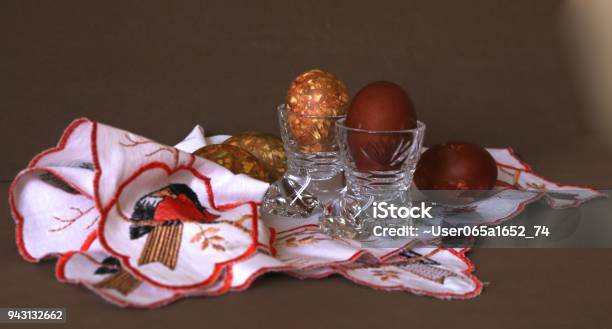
(161, 215)
(169, 205)
(181, 207)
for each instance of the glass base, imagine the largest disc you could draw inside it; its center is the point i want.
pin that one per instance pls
(352, 215)
(300, 196)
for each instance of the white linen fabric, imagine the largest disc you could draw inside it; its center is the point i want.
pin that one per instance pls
(143, 224)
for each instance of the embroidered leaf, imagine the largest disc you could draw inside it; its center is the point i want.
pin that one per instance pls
(205, 244)
(216, 238)
(291, 242)
(211, 230)
(243, 219)
(196, 237)
(307, 240)
(218, 247)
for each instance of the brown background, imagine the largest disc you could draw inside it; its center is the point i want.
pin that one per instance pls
(494, 72)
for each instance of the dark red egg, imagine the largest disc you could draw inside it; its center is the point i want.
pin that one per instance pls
(380, 106)
(465, 168)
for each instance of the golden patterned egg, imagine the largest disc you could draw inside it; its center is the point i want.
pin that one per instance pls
(314, 98)
(235, 159)
(317, 93)
(268, 149)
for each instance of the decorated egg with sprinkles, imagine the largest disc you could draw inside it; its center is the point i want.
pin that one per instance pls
(235, 159)
(268, 149)
(313, 100)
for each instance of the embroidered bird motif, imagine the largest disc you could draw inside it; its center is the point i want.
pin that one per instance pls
(160, 215)
(119, 279)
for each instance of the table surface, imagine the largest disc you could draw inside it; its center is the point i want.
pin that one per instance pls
(524, 288)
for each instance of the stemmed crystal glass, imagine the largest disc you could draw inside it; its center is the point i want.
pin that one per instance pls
(378, 166)
(314, 172)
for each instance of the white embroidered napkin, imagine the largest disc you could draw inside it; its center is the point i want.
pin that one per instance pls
(143, 224)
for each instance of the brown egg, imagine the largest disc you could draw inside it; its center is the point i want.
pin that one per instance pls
(268, 149)
(379, 106)
(467, 169)
(235, 159)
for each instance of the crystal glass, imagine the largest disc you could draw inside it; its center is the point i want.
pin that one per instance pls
(378, 166)
(314, 172)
